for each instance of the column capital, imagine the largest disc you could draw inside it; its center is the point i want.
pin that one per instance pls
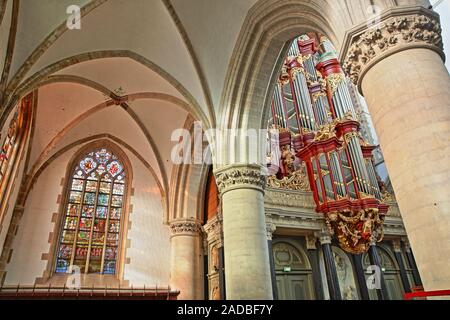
(270, 229)
(407, 244)
(189, 227)
(324, 237)
(311, 240)
(396, 245)
(398, 29)
(241, 177)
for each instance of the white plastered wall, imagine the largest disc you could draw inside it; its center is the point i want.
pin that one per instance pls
(149, 251)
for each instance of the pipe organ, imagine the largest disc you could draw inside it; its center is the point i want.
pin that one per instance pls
(314, 123)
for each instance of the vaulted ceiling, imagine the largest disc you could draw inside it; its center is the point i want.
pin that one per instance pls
(136, 70)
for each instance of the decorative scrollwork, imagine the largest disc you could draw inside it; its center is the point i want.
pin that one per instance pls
(391, 34)
(356, 230)
(334, 80)
(241, 177)
(185, 227)
(297, 180)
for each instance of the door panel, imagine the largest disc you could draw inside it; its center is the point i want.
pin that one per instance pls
(295, 287)
(393, 286)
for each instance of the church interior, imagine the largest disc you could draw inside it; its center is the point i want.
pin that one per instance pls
(224, 150)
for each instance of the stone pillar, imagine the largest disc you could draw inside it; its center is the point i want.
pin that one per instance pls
(399, 69)
(247, 271)
(330, 267)
(362, 282)
(314, 260)
(270, 228)
(412, 263)
(186, 263)
(399, 257)
(376, 261)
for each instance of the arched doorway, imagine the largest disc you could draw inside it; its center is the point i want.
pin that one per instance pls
(293, 272)
(346, 275)
(391, 274)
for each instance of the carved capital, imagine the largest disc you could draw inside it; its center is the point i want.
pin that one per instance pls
(396, 244)
(407, 244)
(399, 29)
(185, 227)
(311, 242)
(270, 229)
(324, 237)
(241, 177)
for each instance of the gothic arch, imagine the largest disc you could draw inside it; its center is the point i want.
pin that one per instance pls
(257, 58)
(43, 76)
(289, 244)
(187, 180)
(128, 98)
(88, 141)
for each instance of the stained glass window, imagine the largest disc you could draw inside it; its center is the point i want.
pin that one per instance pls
(92, 223)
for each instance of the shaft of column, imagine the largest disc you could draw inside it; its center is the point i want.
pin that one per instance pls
(412, 264)
(270, 229)
(413, 118)
(399, 257)
(186, 263)
(375, 260)
(247, 263)
(362, 282)
(407, 88)
(330, 267)
(315, 265)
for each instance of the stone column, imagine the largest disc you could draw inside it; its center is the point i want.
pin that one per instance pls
(412, 263)
(186, 265)
(399, 69)
(270, 228)
(330, 267)
(399, 257)
(376, 261)
(362, 282)
(247, 263)
(313, 256)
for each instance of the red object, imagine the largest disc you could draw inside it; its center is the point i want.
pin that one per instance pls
(367, 151)
(298, 143)
(285, 138)
(329, 67)
(307, 47)
(424, 294)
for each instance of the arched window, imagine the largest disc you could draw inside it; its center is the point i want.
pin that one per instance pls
(94, 208)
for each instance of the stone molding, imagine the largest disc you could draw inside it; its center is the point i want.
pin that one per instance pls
(189, 227)
(311, 242)
(399, 29)
(214, 230)
(290, 199)
(241, 177)
(406, 243)
(396, 245)
(324, 237)
(270, 228)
